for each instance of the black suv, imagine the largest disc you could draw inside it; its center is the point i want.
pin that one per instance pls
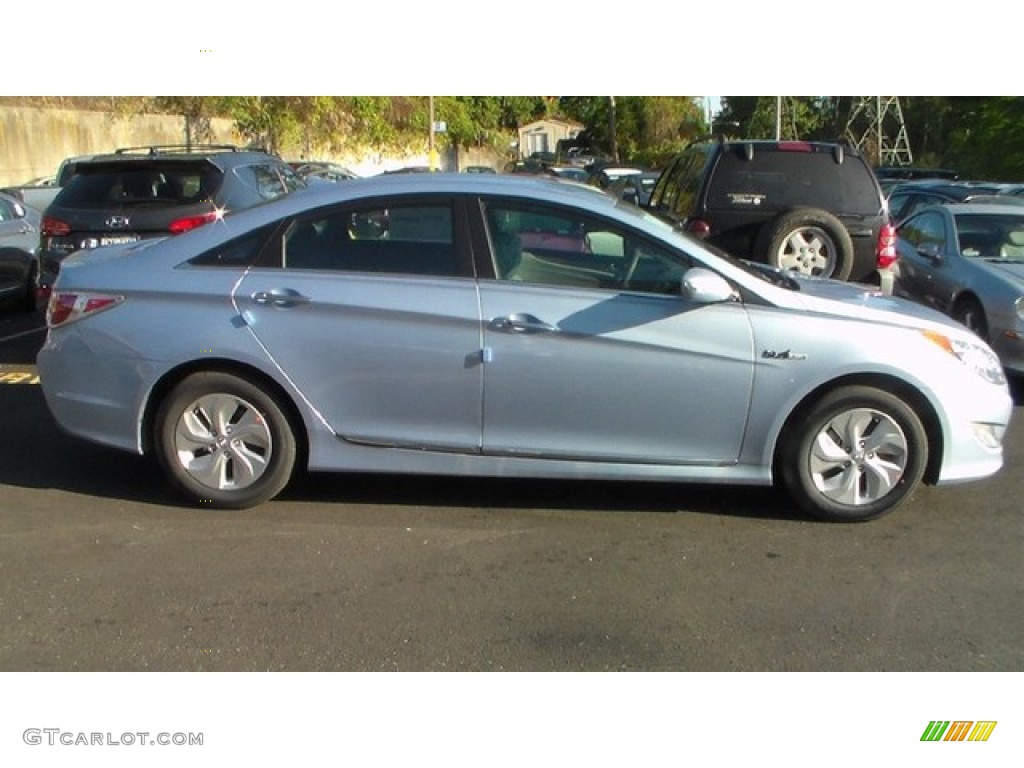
(812, 207)
(143, 192)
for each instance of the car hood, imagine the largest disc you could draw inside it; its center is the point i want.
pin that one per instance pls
(865, 302)
(1007, 269)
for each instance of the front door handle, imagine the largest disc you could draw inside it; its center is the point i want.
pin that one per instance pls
(521, 323)
(280, 297)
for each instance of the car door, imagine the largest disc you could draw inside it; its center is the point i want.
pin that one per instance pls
(373, 315)
(592, 355)
(18, 239)
(926, 245)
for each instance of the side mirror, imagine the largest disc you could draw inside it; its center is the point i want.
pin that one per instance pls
(703, 286)
(19, 210)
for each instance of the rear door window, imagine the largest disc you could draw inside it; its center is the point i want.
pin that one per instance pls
(411, 239)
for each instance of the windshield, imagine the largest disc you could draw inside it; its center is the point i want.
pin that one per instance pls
(686, 241)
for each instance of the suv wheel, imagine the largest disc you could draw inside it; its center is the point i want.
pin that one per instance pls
(809, 241)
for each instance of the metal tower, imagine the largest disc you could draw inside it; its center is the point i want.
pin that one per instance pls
(876, 127)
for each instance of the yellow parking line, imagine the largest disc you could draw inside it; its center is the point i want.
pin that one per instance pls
(18, 374)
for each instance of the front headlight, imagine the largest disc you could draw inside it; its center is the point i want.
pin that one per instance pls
(974, 354)
(1019, 306)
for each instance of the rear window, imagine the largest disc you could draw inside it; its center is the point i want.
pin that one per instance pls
(775, 180)
(138, 185)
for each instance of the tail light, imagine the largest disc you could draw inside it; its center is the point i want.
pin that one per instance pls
(887, 253)
(698, 227)
(51, 227)
(67, 307)
(191, 222)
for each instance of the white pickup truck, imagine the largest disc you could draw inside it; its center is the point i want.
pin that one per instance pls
(39, 196)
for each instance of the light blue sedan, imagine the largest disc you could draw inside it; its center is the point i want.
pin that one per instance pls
(470, 324)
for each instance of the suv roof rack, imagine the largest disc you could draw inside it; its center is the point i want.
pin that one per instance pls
(169, 149)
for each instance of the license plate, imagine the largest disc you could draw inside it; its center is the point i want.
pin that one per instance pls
(118, 239)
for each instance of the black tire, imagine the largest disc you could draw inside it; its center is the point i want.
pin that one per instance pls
(808, 241)
(854, 456)
(224, 441)
(969, 312)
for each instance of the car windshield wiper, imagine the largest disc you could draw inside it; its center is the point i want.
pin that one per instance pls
(772, 275)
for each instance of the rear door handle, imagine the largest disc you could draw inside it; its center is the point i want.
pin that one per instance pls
(280, 297)
(521, 323)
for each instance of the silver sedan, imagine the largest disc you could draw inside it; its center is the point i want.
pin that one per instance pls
(466, 324)
(968, 261)
(19, 244)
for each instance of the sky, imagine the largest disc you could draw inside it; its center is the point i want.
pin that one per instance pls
(456, 47)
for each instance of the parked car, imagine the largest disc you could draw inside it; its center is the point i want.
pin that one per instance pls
(321, 169)
(635, 187)
(568, 172)
(968, 262)
(39, 193)
(891, 175)
(138, 193)
(514, 326)
(907, 197)
(602, 175)
(529, 167)
(19, 263)
(811, 207)
(412, 169)
(41, 181)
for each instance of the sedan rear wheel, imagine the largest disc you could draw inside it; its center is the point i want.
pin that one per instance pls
(855, 456)
(224, 441)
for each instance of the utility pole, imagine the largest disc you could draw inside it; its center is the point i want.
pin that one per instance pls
(430, 144)
(613, 129)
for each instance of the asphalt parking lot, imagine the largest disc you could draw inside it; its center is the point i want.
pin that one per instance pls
(104, 570)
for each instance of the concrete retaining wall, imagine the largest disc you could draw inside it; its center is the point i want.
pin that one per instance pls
(34, 141)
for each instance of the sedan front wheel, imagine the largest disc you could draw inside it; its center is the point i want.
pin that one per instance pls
(855, 455)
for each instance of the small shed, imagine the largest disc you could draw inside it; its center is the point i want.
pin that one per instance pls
(544, 135)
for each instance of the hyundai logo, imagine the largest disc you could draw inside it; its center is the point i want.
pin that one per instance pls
(117, 222)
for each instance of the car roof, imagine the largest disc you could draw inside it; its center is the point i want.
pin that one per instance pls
(958, 187)
(221, 154)
(540, 186)
(968, 209)
(1009, 209)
